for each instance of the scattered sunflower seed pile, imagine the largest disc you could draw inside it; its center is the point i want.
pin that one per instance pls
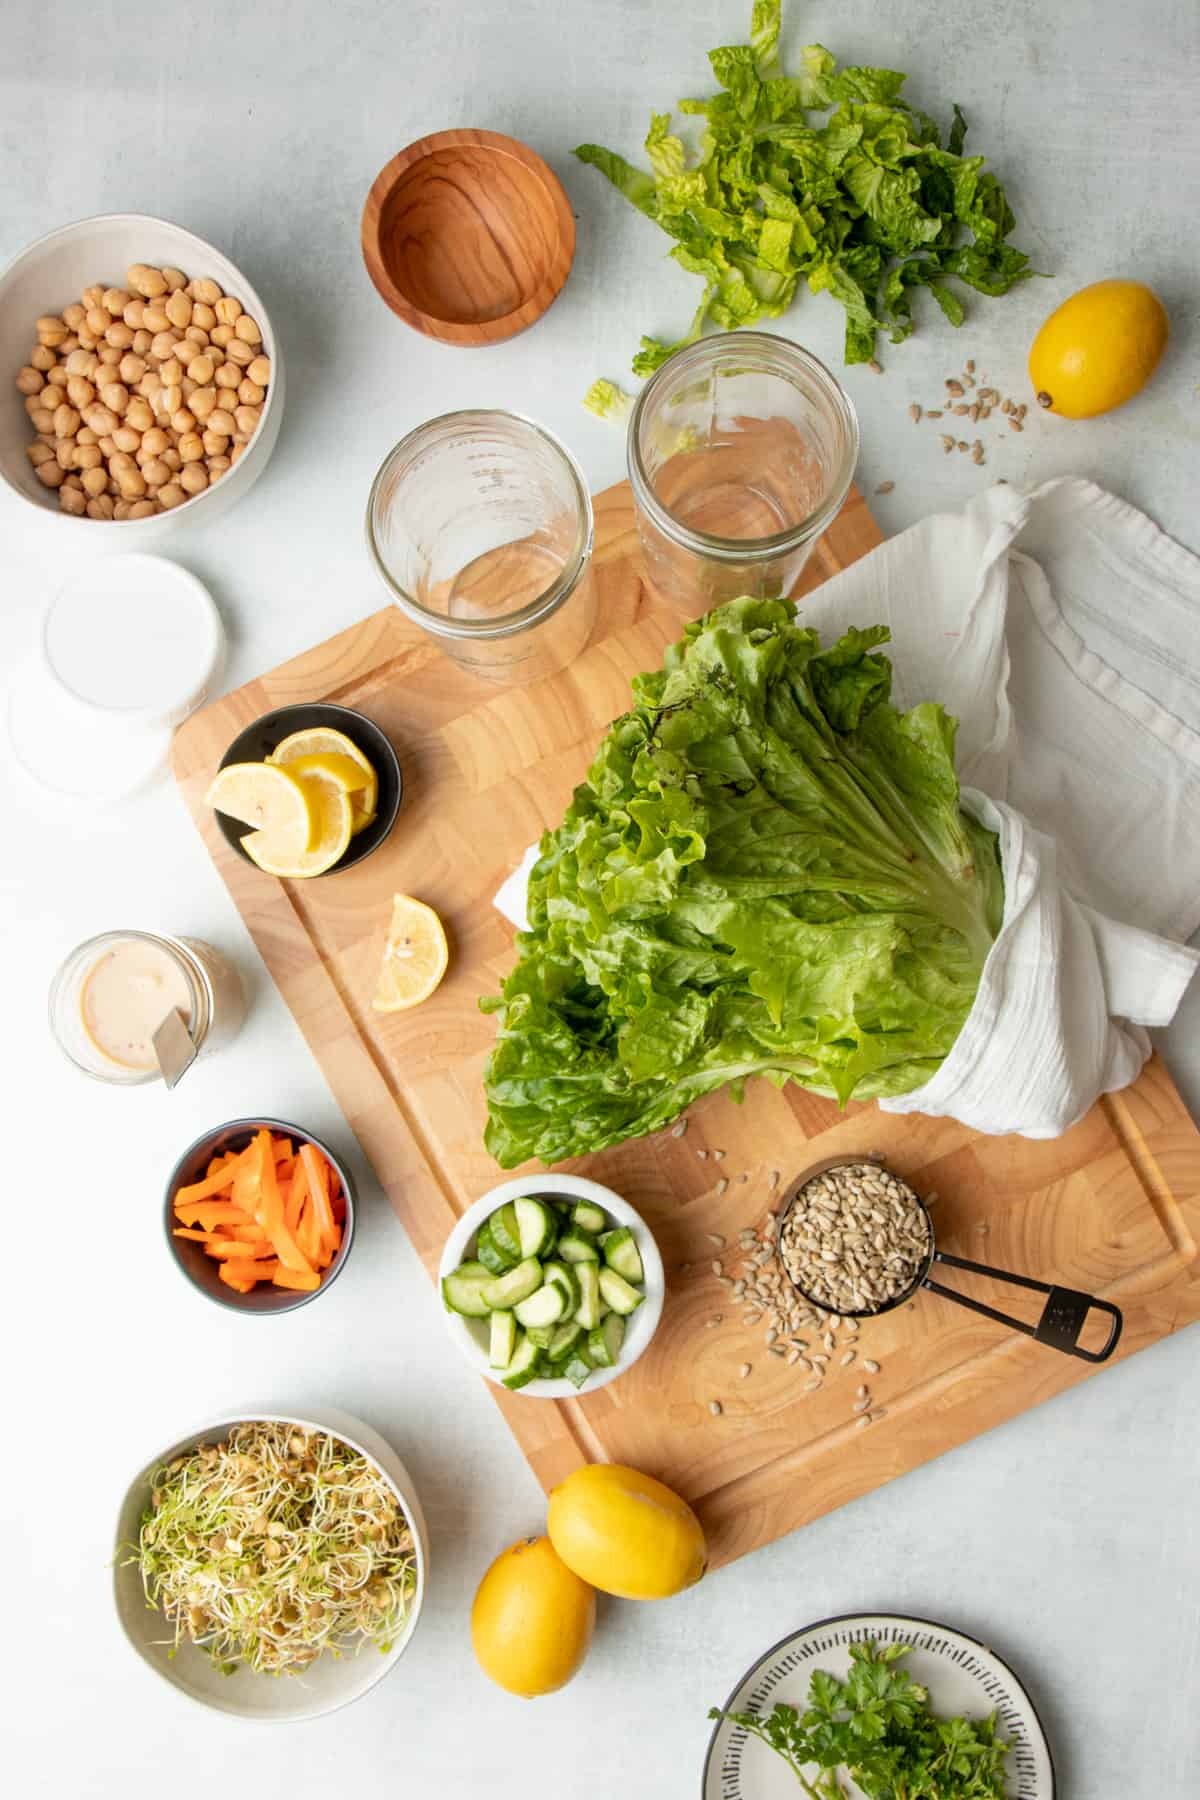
(854, 1237)
(803, 1337)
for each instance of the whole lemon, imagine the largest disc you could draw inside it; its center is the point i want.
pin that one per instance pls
(626, 1533)
(1099, 349)
(532, 1619)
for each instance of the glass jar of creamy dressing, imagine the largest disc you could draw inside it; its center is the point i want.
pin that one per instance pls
(112, 993)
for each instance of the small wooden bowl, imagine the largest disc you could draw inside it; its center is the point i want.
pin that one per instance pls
(468, 236)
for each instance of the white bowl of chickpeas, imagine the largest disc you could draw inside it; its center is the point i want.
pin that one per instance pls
(145, 383)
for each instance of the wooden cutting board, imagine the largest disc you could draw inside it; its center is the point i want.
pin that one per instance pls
(1112, 1207)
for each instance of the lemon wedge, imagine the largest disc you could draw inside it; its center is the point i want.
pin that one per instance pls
(321, 740)
(341, 769)
(269, 798)
(330, 805)
(414, 957)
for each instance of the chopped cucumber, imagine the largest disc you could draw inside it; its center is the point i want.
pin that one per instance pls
(577, 1368)
(576, 1246)
(505, 1291)
(588, 1216)
(545, 1307)
(604, 1343)
(623, 1298)
(526, 1364)
(542, 1336)
(489, 1253)
(536, 1226)
(587, 1275)
(463, 1291)
(564, 1340)
(502, 1339)
(563, 1276)
(621, 1253)
(502, 1225)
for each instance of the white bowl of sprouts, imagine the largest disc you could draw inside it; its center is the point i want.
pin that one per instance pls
(269, 1545)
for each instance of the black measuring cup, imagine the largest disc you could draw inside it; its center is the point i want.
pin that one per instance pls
(1063, 1316)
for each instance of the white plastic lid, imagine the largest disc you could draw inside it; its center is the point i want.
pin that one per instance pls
(135, 639)
(74, 753)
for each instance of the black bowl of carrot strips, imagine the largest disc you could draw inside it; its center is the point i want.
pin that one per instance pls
(260, 1215)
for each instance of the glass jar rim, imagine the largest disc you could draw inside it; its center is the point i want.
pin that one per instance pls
(535, 610)
(200, 997)
(723, 549)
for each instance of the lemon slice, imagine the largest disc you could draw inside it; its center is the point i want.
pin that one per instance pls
(321, 740)
(342, 770)
(414, 957)
(330, 805)
(269, 798)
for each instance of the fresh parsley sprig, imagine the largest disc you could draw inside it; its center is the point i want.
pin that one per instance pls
(877, 1727)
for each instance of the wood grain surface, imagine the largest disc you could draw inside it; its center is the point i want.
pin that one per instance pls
(468, 236)
(1112, 1207)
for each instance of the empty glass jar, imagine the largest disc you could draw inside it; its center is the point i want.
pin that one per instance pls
(480, 525)
(741, 451)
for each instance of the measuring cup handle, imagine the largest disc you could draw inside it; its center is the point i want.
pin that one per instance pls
(1063, 1316)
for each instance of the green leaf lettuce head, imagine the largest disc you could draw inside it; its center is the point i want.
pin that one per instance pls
(766, 872)
(860, 201)
(878, 1727)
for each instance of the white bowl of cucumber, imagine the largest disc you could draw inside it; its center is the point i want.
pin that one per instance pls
(553, 1285)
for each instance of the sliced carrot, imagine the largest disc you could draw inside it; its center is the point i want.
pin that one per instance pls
(317, 1170)
(197, 1237)
(233, 1249)
(308, 1237)
(215, 1183)
(269, 1214)
(208, 1214)
(281, 1147)
(294, 1278)
(297, 1199)
(244, 1283)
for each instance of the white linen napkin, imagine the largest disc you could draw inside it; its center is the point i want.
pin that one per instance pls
(1062, 628)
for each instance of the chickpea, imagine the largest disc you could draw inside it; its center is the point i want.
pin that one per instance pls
(163, 345)
(228, 310)
(108, 448)
(52, 330)
(154, 318)
(50, 475)
(38, 453)
(82, 362)
(131, 484)
(142, 341)
(119, 335)
(249, 393)
(193, 477)
(228, 375)
(134, 314)
(97, 320)
(196, 334)
(202, 369)
(115, 395)
(36, 402)
(69, 343)
(100, 419)
(126, 438)
(168, 400)
(121, 509)
(142, 509)
(205, 290)
(156, 471)
(66, 452)
(85, 435)
(100, 508)
(203, 315)
(145, 281)
(109, 356)
(74, 315)
(42, 357)
(56, 377)
(239, 353)
(42, 419)
(131, 368)
(217, 466)
(186, 352)
(203, 401)
(72, 500)
(179, 309)
(119, 460)
(215, 443)
(183, 422)
(80, 391)
(155, 441)
(95, 480)
(222, 421)
(247, 330)
(246, 419)
(171, 495)
(66, 421)
(149, 385)
(87, 339)
(187, 388)
(87, 456)
(191, 447)
(30, 380)
(114, 301)
(138, 415)
(171, 372)
(221, 335)
(175, 279)
(172, 458)
(259, 370)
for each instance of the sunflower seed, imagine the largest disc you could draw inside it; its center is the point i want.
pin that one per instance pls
(885, 487)
(934, 413)
(862, 1406)
(717, 1268)
(914, 412)
(751, 1318)
(860, 1393)
(744, 1370)
(718, 1156)
(793, 1357)
(714, 1237)
(771, 1336)
(677, 1131)
(777, 1350)
(811, 1386)
(871, 1367)
(969, 365)
(947, 445)
(703, 1155)
(875, 367)
(714, 1407)
(739, 1288)
(722, 1187)
(879, 1413)
(715, 1320)
(848, 1358)
(960, 412)
(1015, 424)
(954, 387)
(859, 1423)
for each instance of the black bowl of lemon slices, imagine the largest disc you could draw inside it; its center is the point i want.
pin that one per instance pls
(307, 790)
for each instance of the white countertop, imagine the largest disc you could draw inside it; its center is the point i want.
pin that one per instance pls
(1069, 1539)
